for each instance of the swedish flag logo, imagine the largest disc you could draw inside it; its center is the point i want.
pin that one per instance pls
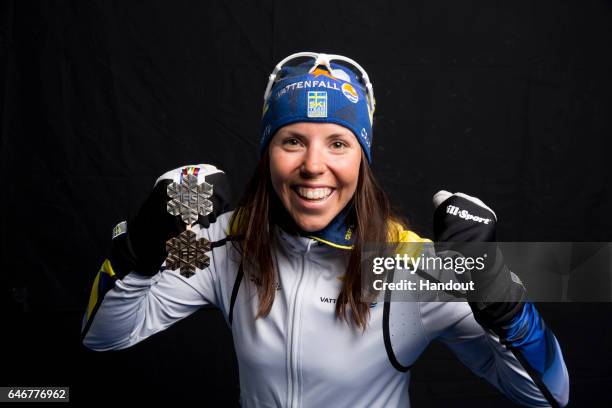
(317, 104)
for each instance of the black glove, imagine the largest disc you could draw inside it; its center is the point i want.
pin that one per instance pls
(140, 243)
(461, 221)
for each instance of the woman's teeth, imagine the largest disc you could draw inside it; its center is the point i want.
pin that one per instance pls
(313, 193)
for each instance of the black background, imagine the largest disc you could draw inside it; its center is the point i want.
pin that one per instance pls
(508, 101)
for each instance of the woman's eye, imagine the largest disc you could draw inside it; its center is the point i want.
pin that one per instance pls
(338, 145)
(291, 142)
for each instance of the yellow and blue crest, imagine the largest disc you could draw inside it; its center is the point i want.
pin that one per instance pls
(317, 104)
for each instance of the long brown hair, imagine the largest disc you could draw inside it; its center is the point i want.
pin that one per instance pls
(370, 211)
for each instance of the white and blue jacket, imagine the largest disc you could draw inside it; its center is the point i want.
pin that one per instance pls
(301, 355)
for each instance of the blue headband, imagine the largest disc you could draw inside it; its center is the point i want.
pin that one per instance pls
(299, 96)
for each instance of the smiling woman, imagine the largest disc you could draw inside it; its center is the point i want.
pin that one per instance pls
(314, 178)
(285, 266)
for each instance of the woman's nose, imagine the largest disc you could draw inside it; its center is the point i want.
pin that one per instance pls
(313, 163)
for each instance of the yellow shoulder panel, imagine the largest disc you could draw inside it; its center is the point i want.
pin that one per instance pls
(409, 242)
(397, 233)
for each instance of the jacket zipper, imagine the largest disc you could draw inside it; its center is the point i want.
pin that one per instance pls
(293, 387)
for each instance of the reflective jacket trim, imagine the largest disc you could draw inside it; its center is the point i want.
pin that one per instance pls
(387, 338)
(235, 293)
(535, 377)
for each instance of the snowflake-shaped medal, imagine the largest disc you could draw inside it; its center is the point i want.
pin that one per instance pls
(188, 199)
(187, 253)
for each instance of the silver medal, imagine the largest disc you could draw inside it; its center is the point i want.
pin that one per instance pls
(189, 200)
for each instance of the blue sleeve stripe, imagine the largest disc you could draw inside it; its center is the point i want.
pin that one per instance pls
(527, 332)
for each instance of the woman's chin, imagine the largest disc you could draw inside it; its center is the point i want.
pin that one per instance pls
(311, 223)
